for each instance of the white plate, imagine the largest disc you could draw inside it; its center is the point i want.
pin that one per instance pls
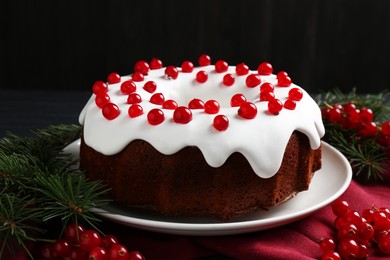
(327, 185)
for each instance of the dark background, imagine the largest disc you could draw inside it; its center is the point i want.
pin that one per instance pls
(70, 44)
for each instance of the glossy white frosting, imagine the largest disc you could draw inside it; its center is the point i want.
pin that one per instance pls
(261, 140)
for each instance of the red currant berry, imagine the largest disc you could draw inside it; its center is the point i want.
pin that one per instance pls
(275, 106)
(386, 211)
(380, 221)
(384, 243)
(348, 249)
(187, 67)
(242, 69)
(367, 214)
(334, 115)
(228, 79)
(155, 116)
(110, 111)
(266, 87)
(237, 100)
(101, 100)
(386, 128)
(128, 87)
(253, 80)
(99, 87)
(327, 244)
(134, 98)
(281, 74)
(340, 222)
(267, 96)
(46, 252)
(211, 107)
(363, 252)
(119, 252)
(290, 104)
(349, 107)
(135, 110)
(137, 76)
(61, 248)
(157, 99)
(113, 78)
(340, 207)
(196, 104)
(170, 104)
(141, 66)
(353, 217)
(284, 82)
(135, 255)
(204, 60)
(108, 241)
(247, 110)
(76, 253)
(221, 66)
(221, 122)
(265, 68)
(182, 115)
(156, 64)
(150, 86)
(295, 94)
(171, 72)
(368, 129)
(89, 240)
(331, 255)
(366, 231)
(73, 232)
(348, 231)
(201, 76)
(98, 253)
(366, 115)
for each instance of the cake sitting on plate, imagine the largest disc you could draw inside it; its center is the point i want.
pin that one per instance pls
(213, 139)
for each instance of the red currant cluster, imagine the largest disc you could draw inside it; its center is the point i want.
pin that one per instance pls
(350, 117)
(356, 232)
(81, 244)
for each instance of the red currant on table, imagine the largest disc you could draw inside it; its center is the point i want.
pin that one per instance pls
(242, 69)
(265, 68)
(108, 241)
(348, 249)
(98, 253)
(118, 252)
(150, 86)
(155, 116)
(128, 87)
(237, 100)
(252, 80)
(340, 207)
(204, 60)
(182, 115)
(228, 79)
(221, 66)
(156, 64)
(196, 104)
(73, 233)
(201, 76)
(61, 248)
(247, 110)
(89, 240)
(135, 255)
(327, 244)
(187, 67)
(221, 122)
(141, 66)
(171, 72)
(275, 106)
(211, 107)
(113, 78)
(110, 111)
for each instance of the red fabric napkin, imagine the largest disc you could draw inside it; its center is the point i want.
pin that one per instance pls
(297, 240)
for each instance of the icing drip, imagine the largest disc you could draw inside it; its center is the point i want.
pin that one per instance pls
(261, 140)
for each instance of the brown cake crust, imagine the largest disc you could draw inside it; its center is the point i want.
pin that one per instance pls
(184, 184)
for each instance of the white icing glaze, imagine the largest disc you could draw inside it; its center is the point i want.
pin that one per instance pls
(261, 140)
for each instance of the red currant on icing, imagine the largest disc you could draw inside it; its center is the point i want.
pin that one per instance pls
(267, 96)
(211, 107)
(267, 87)
(281, 74)
(113, 78)
(290, 104)
(182, 115)
(169, 104)
(247, 110)
(98, 253)
(295, 94)
(196, 104)
(119, 252)
(204, 60)
(137, 76)
(128, 87)
(134, 98)
(187, 66)
(201, 76)
(242, 69)
(155, 116)
(171, 72)
(252, 80)
(228, 79)
(99, 87)
(265, 68)
(89, 240)
(141, 66)
(275, 106)
(101, 100)
(150, 86)
(221, 66)
(386, 128)
(284, 82)
(237, 100)
(221, 122)
(135, 110)
(110, 111)
(157, 99)
(156, 64)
